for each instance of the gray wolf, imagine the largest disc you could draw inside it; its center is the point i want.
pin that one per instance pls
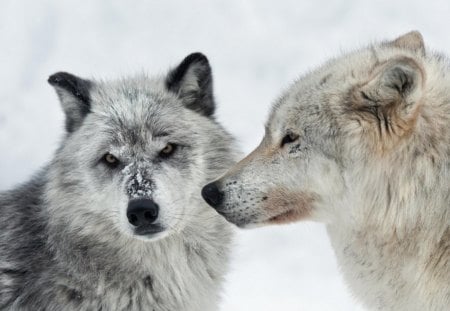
(361, 144)
(116, 220)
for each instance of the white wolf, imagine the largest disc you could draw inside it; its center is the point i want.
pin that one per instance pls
(116, 220)
(363, 145)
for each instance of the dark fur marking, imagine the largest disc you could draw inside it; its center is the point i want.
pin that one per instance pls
(72, 294)
(401, 80)
(325, 79)
(298, 148)
(79, 89)
(178, 74)
(130, 296)
(201, 100)
(366, 97)
(375, 112)
(75, 295)
(13, 272)
(148, 282)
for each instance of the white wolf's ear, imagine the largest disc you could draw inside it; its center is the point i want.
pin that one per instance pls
(73, 93)
(412, 41)
(192, 82)
(394, 90)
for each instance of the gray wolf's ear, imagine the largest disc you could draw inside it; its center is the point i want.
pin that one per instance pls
(73, 93)
(412, 41)
(192, 82)
(394, 90)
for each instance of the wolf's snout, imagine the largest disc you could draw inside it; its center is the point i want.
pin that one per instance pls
(142, 212)
(212, 195)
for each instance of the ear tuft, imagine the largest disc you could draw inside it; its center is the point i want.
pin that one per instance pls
(74, 95)
(192, 82)
(398, 82)
(412, 41)
(78, 87)
(401, 78)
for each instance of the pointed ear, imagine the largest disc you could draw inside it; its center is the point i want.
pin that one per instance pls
(74, 95)
(398, 82)
(412, 41)
(192, 82)
(394, 92)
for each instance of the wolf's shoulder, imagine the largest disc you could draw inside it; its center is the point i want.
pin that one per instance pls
(22, 232)
(24, 199)
(22, 218)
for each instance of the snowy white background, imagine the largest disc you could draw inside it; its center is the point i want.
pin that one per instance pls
(255, 48)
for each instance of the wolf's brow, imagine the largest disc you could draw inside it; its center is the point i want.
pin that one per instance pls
(160, 134)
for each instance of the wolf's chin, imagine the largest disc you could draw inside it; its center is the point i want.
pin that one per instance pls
(244, 225)
(284, 217)
(251, 225)
(143, 235)
(153, 237)
(149, 229)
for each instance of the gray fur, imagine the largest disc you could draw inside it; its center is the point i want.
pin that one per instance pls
(65, 242)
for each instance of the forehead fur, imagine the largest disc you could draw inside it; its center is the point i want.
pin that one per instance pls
(138, 107)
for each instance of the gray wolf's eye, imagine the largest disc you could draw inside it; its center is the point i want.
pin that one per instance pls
(168, 150)
(289, 138)
(110, 160)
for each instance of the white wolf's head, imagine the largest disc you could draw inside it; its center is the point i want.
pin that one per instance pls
(137, 152)
(355, 130)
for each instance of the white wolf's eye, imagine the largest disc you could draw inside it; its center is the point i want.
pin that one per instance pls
(289, 138)
(168, 150)
(110, 160)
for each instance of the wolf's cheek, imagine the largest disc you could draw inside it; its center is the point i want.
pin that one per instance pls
(284, 205)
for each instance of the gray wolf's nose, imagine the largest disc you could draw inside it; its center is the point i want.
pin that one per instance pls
(142, 212)
(212, 195)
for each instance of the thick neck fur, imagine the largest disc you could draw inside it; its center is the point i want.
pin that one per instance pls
(391, 231)
(113, 253)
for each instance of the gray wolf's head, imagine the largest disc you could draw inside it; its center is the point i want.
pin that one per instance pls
(356, 115)
(137, 152)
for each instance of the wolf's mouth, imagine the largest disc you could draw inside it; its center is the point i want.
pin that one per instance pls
(148, 229)
(288, 216)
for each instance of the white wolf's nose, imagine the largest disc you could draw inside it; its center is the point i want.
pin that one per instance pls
(212, 195)
(142, 212)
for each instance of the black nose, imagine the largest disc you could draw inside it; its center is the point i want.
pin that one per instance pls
(212, 195)
(142, 212)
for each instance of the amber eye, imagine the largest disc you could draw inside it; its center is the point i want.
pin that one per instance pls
(168, 150)
(289, 138)
(110, 160)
